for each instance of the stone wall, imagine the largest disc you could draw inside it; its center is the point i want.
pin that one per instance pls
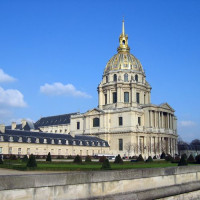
(158, 183)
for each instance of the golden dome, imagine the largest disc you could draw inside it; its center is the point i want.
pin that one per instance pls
(123, 60)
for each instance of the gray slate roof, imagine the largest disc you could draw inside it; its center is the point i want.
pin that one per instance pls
(79, 140)
(54, 120)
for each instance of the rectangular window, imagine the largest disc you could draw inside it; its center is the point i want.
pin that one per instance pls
(105, 99)
(138, 97)
(114, 97)
(126, 97)
(120, 121)
(28, 151)
(120, 144)
(139, 121)
(19, 151)
(0, 149)
(10, 150)
(78, 125)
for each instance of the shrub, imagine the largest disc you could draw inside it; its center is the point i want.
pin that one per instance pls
(78, 159)
(168, 157)
(69, 157)
(185, 156)
(88, 159)
(48, 159)
(154, 157)
(197, 158)
(102, 159)
(25, 158)
(183, 161)
(176, 159)
(191, 159)
(162, 155)
(149, 159)
(118, 159)
(31, 161)
(1, 161)
(106, 164)
(140, 158)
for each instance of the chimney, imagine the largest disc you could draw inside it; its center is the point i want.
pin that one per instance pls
(13, 126)
(2, 128)
(23, 123)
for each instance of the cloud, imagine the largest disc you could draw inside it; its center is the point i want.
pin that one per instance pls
(57, 89)
(5, 77)
(12, 98)
(187, 123)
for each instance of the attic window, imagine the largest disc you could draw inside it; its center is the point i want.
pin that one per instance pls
(29, 140)
(1, 139)
(11, 139)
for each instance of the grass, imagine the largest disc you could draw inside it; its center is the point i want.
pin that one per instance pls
(70, 166)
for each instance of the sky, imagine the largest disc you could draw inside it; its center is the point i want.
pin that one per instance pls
(53, 54)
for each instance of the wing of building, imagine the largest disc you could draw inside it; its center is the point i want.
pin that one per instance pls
(125, 121)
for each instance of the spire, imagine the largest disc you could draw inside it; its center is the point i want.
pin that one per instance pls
(123, 30)
(123, 40)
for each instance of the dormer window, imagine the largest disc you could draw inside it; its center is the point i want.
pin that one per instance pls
(52, 142)
(37, 140)
(67, 142)
(81, 143)
(74, 142)
(104, 144)
(20, 139)
(93, 144)
(29, 140)
(45, 141)
(1, 139)
(59, 142)
(10, 139)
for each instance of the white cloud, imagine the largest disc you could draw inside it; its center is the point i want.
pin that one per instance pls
(5, 77)
(12, 98)
(60, 89)
(187, 123)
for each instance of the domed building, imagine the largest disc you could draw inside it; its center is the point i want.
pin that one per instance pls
(125, 116)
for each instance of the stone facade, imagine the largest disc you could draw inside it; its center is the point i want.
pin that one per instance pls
(125, 116)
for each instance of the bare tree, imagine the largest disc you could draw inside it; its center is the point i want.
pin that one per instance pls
(129, 147)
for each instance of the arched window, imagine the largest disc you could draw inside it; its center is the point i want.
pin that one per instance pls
(115, 77)
(125, 77)
(136, 78)
(106, 79)
(96, 122)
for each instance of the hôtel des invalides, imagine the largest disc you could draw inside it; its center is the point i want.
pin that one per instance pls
(125, 121)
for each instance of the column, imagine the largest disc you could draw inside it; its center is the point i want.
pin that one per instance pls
(159, 142)
(118, 95)
(138, 144)
(149, 118)
(111, 100)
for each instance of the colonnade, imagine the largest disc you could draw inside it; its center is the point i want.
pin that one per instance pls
(155, 145)
(159, 119)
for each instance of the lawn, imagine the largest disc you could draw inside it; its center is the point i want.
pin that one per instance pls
(70, 166)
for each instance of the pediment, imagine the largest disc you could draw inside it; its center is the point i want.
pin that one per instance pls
(166, 106)
(94, 111)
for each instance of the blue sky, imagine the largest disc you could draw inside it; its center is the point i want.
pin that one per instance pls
(66, 44)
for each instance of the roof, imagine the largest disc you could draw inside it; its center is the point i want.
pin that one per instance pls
(50, 138)
(54, 120)
(29, 125)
